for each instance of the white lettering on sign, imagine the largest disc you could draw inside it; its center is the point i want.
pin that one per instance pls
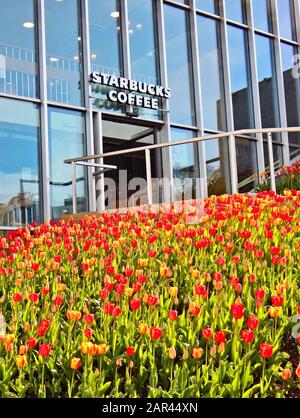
(131, 86)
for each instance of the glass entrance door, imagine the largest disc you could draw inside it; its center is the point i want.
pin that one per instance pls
(127, 186)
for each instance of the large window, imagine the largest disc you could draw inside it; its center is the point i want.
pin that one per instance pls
(247, 168)
(268, 93)
(18, 49)
(179, 65)
(286, 18)
(292, 94)
(19, 163)
(235, 10)
(184, 163)
(64, 51)
(210, 6)
(211, 74)
(66, 140)
(262, 15)
(217, 166)
(240, 78)
(143, 45)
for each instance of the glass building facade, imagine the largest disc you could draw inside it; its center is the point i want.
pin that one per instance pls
(230, 65)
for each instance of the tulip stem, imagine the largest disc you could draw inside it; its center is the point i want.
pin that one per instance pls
(171, 374)
(72, 383)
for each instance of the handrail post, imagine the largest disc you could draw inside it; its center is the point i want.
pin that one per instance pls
(74, 192)
(233, 164)
(148, 176)
(271, 162)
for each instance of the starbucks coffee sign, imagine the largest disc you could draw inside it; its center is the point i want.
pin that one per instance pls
(131, 92)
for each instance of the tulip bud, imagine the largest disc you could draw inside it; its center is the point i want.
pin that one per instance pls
(173, 291)
(21, 361)
(213, 351)
(286, 374)
(185, 354)
(273, 312)
(142, 329)
(172, 353)
(26, 327)
(75, 363)
(197, 353)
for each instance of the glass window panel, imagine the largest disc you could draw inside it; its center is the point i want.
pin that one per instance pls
(277, 156)
(210, 6)
(18, 48)
(262, 15)
(63, 51)
(235, 10)
(19, 163)
(143, 46)
(292, 93)
(217, 166)
(105, 42)
(210, 57)
(66, 140)
(268, 93)
(179, 65)
(240, 78)
(184, 163)
(247, 167)
(286, 18)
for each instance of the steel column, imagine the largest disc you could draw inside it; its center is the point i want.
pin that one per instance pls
(45, 164)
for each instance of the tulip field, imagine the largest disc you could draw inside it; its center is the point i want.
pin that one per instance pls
(145, 304)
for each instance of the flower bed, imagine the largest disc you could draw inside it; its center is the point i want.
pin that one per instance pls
(145, 304)
(287, 178)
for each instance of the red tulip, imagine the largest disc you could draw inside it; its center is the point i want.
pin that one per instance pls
(17, 297)
(41, 331)
(88, 318)
(201, 291)
(116, 312)
(44, 350)
(237, 310)
(207, 333)
(173, 315)
(34, 297)
(31, 342)
(266, 350)
(259, 294)
(45, 323)
(252, 322)
(220, 337)
(58, 300)
(277, 300)
(130, 351)
(88, 332)
(35, 266)
(247, 336)
(135, 304)
(155, 333)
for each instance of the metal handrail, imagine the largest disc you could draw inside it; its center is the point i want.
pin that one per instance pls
(183, 141)
(233, 166)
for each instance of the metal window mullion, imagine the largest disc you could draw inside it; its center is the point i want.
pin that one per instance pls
(125, 39)
(297, 20)
(255, 89)
(280, 85)
(228, 100)
(166, 131)
(91, 185)
(198, 98)
(99, 180)
(45, 163)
